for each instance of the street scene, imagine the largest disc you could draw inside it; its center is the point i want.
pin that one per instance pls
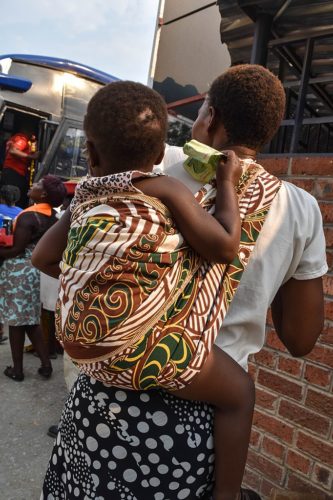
(166, 250)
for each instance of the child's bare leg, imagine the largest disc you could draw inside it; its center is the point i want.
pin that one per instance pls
(223, 383)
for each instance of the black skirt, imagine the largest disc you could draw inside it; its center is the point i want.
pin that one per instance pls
(116, 444)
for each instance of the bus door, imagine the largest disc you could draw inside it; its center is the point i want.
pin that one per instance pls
(13, 120)
(66, 155)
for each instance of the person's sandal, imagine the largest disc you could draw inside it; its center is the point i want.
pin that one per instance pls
(9, 372)
(247, 494)
(45, 371)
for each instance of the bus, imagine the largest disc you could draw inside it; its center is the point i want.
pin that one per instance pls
(50, 96)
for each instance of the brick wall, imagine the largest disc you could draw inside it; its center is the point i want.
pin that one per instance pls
(292, 439)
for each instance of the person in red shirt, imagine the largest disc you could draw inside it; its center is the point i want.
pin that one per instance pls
(20, 151)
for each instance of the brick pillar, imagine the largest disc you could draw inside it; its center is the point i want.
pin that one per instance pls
(292, 439)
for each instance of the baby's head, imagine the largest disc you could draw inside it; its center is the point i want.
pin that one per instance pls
(126, 126)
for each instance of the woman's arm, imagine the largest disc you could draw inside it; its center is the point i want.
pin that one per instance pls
(215, 238)
(298, 314)
(48, 251)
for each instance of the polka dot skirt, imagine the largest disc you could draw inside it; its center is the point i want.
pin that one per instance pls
(117, 445)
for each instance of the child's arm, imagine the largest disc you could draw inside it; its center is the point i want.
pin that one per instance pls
(215, 238)
(48, 251)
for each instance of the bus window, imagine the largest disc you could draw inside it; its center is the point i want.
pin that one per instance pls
(70, 159)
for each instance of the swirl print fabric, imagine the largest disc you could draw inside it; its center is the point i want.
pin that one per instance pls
(131, 445)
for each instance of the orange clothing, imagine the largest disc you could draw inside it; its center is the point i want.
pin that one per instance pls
(20, 165)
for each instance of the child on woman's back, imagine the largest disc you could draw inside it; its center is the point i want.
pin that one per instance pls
(126, 126)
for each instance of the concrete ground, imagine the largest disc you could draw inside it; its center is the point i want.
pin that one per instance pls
(28, 409)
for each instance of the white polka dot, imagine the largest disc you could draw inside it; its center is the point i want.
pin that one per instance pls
(151, 443)
(54, 459)
(85, 422)
(154, 481)
(159, 496)
(160, 418)
(200, 471)
(145, 469)
(78, 415)
(114, 408)
(95, 479)
(180, 429)
(186, 466)
(130, 475)
(103, 431)
(153, 458)
(210, 443)
(145, 483)
(144, 397)
(134, 411)
(200, 457)
(81, 434)
(121, 396)
(167, 441)
(190, 479)
(111, 486)
(183, 494)
(173, 486)
(96, 464)
(112, 465)
(104, 453)
(91, 443)
(50, 496)
(163, 469)
(119, 452)
(76, 492)
(143, 427)
(177, 473)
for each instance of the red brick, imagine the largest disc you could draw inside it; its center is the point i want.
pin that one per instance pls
(291, 366)
(268, 468)
(279, 384)
(269, 319)
(295, 483)
(328, 284)
(322, 355)
(317, 376)
(326, 208)
(304, 418)
(306, 184)
(326, 336)
(312, 165)
(252, 479)
(273, 341)
(329, 258)
(298, 462)
(322, 476)
(329, 309)
(252, 368)
(265, 399)
(274, 426)
(276, 166)
(266, 488)
(273, 448)
(255, 438)
(322, 450)
(266, 358)
(320, 401)
(328, 231)
(324, 189)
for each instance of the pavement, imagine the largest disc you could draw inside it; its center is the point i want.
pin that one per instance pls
(28, 409)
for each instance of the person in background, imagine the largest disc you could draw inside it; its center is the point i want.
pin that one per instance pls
(21, 151)
(9, 195)
(20, 281)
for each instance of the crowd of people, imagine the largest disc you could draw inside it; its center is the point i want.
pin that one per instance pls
(164, 285)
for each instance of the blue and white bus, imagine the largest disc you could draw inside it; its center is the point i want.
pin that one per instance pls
(50, 95)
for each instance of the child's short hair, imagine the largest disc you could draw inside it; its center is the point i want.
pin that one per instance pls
(55, 189)
(250, 102)
(10, 194)
(128, 122)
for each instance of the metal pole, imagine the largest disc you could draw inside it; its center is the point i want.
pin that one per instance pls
(262, 35)
(302, 95)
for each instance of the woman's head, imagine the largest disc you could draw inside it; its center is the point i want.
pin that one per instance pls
(50, 189)
(126, 125)
(249, 101)
(10, 194)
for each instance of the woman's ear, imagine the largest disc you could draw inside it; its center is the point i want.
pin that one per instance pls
(160, 156)
(93, 156)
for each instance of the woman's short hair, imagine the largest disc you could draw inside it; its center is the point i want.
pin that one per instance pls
(250, 102)
(10, 194)
(55, 190)
(128, 122)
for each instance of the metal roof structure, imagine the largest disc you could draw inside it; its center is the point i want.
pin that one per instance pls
(294, 39)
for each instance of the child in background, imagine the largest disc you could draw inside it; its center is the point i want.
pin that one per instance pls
(126, 127)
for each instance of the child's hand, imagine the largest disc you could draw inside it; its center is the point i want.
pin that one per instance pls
(229, 169)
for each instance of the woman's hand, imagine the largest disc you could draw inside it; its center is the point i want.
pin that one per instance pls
(229, 169)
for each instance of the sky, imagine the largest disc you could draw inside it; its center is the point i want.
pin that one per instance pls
(115, 36)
